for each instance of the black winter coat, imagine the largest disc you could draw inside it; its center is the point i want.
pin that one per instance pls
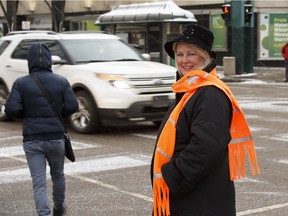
(198, 174)
(27, 101)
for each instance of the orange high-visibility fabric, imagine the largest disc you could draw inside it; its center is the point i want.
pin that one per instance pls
(240, 143)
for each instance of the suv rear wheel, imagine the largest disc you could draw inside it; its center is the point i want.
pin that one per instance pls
(86, 119)
(3, 97)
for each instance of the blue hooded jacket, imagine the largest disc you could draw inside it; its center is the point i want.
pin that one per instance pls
(27, 101)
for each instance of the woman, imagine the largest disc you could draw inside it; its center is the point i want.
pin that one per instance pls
(190, 166)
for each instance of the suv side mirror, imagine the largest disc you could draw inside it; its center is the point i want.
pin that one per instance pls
(146, 56)
(57, 60)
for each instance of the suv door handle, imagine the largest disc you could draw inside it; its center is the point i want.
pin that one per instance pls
(8, 66)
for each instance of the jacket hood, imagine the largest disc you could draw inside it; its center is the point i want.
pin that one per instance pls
(39, 58)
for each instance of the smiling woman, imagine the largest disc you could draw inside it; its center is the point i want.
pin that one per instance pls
(202, 141)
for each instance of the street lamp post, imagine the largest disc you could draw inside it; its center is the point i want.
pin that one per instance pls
(249, 37)
(237, 28)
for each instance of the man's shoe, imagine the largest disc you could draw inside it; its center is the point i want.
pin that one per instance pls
(59, 212)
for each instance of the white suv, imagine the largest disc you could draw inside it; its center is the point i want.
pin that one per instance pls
(114, 84)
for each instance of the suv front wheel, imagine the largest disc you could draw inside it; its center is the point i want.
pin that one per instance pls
(86, 119)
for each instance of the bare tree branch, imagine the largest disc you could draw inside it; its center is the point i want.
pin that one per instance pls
(5, 14)
(49, 6)
(58, 8)
(54, 20)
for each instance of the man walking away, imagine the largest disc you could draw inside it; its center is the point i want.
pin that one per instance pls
(43, 133)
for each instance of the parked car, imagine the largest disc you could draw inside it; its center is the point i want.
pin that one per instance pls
(114, 84)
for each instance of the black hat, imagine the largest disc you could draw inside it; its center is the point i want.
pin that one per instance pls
(193, 34)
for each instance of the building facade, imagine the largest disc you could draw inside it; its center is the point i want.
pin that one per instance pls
(269, 25)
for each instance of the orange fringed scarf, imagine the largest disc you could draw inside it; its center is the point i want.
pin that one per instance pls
(240, 143)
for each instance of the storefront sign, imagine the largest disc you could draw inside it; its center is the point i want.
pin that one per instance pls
(273, 35)
(219, 29)
(26, 25)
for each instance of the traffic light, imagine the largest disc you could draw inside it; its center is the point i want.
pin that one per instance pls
(248, 10)
(226, 15)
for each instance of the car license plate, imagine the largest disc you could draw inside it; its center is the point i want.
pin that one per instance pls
(161, 101)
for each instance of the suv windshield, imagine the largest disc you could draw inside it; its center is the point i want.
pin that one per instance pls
(95, 50)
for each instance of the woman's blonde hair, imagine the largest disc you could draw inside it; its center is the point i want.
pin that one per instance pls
(199, 51)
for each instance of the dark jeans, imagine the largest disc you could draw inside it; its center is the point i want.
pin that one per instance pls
(36, 154)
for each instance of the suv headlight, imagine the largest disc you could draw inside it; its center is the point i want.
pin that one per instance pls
(115, 80)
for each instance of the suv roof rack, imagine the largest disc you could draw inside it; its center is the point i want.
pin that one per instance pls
(30, 32)
(83, 31)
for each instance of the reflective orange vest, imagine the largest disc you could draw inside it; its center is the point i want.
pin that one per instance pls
(240, 143)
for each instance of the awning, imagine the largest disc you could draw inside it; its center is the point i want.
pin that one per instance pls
(146, 12)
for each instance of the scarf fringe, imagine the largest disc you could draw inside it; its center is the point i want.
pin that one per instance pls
(237, 153)
(161, 198)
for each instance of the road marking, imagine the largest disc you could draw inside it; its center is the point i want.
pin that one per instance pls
(281, 161)
(11, 138)
(144, 135)
(246, 179)
(275, 106)
(252, 116)
(11, 151)
(18, 159)
(112, 187)
(266, 193)
(257, 129)
(263, 209)
(278, 137)
(18, 150)
(275, 119)
(97, 165)
(149, 199)
(103, 164)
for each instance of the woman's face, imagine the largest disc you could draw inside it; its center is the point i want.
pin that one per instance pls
(187, 59)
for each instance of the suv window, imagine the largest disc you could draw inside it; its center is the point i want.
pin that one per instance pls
(3, 45)
(95, 50)
(22, 49)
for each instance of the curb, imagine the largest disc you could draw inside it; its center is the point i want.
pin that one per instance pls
(262, 74)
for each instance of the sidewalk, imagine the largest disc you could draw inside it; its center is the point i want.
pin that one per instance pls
(261, 74)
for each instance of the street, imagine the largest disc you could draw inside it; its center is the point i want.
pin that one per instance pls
(111, 174)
